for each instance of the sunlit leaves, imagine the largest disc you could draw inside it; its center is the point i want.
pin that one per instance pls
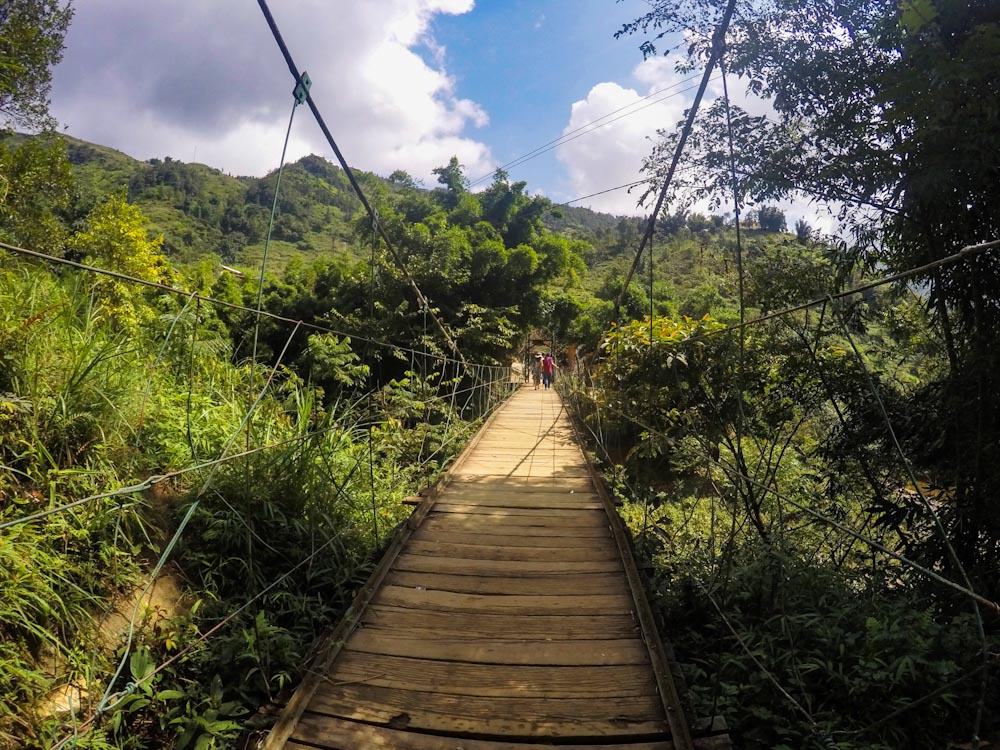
(115, 237)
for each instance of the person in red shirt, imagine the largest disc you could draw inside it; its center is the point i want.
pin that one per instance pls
(547, 367)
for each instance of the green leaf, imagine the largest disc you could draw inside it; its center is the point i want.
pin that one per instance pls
(914, 15)
(141, 664)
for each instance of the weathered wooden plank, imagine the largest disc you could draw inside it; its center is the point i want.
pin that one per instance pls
(446, 601)
(486, 651)
(503, 627)
(485, 552)
(338, 734)
(525, 681)
(521, 484)
(554, 516)
(470, 566)
(516, 717)
(583, 584)
(525, 494)
(473, 524)
(513, 438)
(539, 457)
(499, 517)
(534, 471)
(546, 449)
(515, 452)
(543, 500)
(643, 707)
(507, 540)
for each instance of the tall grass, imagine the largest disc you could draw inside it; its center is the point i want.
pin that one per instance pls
(87, 408)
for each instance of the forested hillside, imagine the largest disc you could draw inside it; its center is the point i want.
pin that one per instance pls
(202, 212)
(206, 216)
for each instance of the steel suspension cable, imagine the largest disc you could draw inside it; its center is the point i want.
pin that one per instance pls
(400, 263)
(270, 229)
(718, 41)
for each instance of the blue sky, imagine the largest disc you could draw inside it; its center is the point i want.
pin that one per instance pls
(527, 62)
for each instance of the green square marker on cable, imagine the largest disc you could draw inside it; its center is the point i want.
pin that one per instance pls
(301, 92)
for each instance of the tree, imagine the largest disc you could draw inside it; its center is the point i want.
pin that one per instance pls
(888, 109)
(698, 223)
(31, 43)
(771, 219)
(481, 259)
(780, 276)
(517, 216)
(36, 188)
(403, 178)
(453, 180)
(115, 238)
(803, 231)
(888, 112)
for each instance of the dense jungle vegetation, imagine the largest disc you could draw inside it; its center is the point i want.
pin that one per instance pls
(812, 489)
(732, 450)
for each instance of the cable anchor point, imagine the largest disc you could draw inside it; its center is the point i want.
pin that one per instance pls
(301, 91)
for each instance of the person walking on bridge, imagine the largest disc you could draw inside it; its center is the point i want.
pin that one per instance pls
(548, 365)
(536, 370)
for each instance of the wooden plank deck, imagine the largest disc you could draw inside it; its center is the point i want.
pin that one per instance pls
(503, 617)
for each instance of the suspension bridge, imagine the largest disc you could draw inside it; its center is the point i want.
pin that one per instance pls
(507, 612)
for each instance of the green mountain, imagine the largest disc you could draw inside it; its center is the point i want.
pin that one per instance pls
(201, 211)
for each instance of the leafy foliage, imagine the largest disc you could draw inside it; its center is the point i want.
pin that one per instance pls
(849, 650)
(36, 187)
(114, 237)
(31, 44)
(885, 109)
(726, 455)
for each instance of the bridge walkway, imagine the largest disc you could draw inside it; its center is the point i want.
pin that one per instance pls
(504, 615)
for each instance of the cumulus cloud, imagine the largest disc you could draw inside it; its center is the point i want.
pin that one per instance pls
(612, 154)
(177, 78)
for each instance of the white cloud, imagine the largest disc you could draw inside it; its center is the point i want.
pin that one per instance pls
(612, 154)
(171, 77)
